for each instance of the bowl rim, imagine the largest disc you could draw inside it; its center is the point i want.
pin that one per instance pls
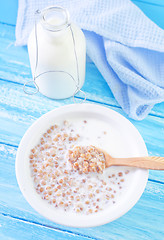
(103, 217)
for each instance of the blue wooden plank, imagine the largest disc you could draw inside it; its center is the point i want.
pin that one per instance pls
(23, 110)
(153, 10)
(8, 11)
(15, 67)
(130, 226)
(13, 228)
(152, 2)
(17, 114)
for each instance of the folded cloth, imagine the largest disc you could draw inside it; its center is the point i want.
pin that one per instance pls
(125, 45)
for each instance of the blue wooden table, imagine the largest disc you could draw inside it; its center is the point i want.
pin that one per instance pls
(18, 111)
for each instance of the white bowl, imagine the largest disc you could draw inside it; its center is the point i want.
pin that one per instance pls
(133, 146)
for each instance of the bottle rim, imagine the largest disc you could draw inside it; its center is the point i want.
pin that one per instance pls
(54, 27)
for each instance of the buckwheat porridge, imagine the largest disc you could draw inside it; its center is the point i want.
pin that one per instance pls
(70, 174)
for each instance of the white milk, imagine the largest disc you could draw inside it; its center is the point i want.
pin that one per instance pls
(106, 189)
(56, 52)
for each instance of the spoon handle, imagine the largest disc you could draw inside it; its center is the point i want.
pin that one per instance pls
(154, 163)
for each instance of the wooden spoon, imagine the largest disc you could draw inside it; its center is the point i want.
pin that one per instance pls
(154, 163)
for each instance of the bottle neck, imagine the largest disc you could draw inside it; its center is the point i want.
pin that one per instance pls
(58, 37)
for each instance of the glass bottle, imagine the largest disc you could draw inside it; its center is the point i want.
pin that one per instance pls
(57, 52)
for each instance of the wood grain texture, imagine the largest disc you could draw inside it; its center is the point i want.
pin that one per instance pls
(147, 162)
(149, 207)
(18, 111)
(14, 228)
(15, 67)
(8, 11)
(17, 114)
(153, 10)
(151, 2)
